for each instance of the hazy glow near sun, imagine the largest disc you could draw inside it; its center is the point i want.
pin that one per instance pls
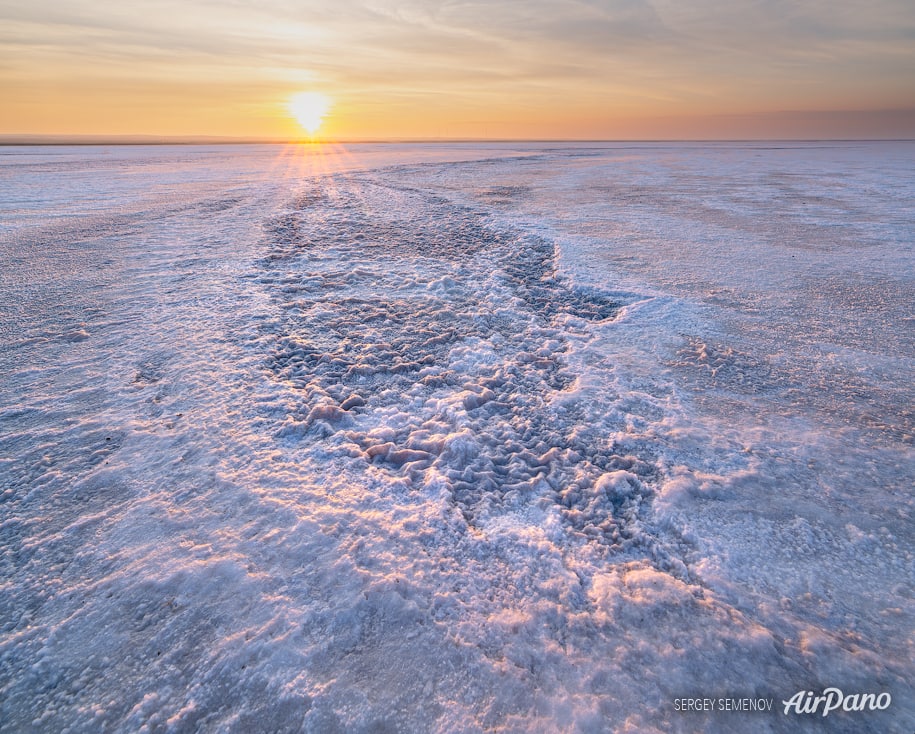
(309, 109)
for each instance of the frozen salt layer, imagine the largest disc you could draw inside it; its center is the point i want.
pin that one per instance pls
(453, 439)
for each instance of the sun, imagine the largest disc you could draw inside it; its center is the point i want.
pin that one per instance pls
(309, 109)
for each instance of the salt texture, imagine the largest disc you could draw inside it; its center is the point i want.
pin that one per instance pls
(455, 438)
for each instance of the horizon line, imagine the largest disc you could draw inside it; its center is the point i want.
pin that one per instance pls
(27, 139)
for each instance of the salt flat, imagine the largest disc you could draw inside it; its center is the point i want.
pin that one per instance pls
(455, 438)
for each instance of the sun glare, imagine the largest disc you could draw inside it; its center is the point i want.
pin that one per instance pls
(309, 109)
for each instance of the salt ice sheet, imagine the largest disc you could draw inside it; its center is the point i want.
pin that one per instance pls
(454, 438)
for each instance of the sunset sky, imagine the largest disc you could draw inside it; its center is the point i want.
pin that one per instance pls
(585, 69)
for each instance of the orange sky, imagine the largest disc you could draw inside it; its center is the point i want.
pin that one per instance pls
(418, 69)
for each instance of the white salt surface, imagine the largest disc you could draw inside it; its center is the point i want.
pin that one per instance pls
(455, 438)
